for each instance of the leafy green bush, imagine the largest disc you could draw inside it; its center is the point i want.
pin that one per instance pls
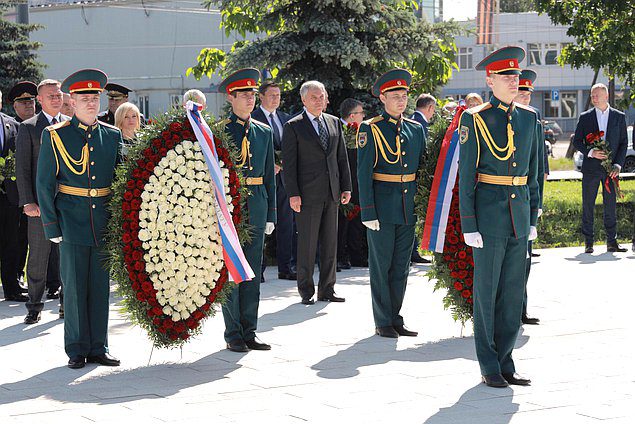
(561, 222)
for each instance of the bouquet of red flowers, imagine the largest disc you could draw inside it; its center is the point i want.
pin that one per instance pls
(596, 141)
(350, 135)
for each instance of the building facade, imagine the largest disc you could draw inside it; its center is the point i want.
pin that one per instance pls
(561, 92)
(144, 45)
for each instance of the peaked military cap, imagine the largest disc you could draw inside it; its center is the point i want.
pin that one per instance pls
(504, 61)
(24, 90)
(85, 81)
(116, 91)
(396, 79)
(527, 78)
(241, 80)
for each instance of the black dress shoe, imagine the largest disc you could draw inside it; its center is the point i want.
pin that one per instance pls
(387, 332)
(52, 294)
(344, 265)
(76, 362)
(494, 380)
(256, 345)
(535, 255)
(331, 298)
(104, 359)
(403, 331)
(309, 301)
(237, 346)
(530, 320)
(338, 269)
(61, 314)
(287, 276)
(23, 290)
(614, 247)
(518, 380)
(588, 248)
(32, 317)
(17, 297)
(633, 247)
(418, 259)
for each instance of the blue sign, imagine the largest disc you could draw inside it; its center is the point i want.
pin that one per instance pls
(555, 95)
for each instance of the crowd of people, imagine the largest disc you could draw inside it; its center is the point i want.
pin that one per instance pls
(299, 170)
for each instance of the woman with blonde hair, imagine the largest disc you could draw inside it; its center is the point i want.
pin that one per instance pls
(472, 100)
(128, 120)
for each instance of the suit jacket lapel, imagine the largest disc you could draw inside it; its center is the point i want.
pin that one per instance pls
(5, 138)
(333, 139)
(595, 127)
(308, 127)
(41, 123)
(609, 124)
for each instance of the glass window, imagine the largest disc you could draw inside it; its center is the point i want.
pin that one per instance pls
(551, 53)
(569, 104)
(534, 54)
(144, 105)
(465, 58)
(550, 107)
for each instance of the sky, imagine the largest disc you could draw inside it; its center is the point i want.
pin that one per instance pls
(460, 10)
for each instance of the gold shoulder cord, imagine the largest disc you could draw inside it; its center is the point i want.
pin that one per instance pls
(71, 164)
(380, 141)
(245, 153)
(508, 150)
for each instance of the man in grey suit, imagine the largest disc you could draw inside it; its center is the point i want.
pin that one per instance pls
(317, 178)
(43, 262)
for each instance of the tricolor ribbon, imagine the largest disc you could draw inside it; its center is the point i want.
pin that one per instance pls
(441, 191)
(235, 261)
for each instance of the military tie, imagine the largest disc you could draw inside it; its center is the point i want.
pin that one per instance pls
(54, 121)
(276, 131)
(324, 137)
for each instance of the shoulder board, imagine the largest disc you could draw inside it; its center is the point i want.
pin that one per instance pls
(373, 120)
(412, 121)
(527, 108)
(58, 125)
(109, 126)
(257, 122)
(226, 121)
(479, 108)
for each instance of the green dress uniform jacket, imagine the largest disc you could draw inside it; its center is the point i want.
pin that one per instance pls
(240, 312)
(391, 150)
(75, 170)
(498, 142)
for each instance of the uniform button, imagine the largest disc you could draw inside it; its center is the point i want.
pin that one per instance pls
(405, 191)
(514, 148)
(403, 153)
(90, 135)
(405, 165)
(514, 164)
(93, 177)
(93, 206)
(251, 168)
(513, 196)
(250, 155)
(92, 148)
(92, 163)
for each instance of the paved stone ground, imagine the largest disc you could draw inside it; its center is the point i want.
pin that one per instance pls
(326, 365)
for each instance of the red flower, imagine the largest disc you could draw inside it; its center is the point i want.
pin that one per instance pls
(136, 244)
(206, 307)
(176, 126)
(127, 196)
(147, 152)
(163, 151)
(466, 293)
(156, 321)
(168, 323)
(157, 143)
(173, 336)
(139, 266)
(140, 184)
(462, 254)
(468, 282)
(461, 264)
(170, 144)
(180, 327)
(130, 184)
(135, 286)
(458, 285)
(198, 315)
(136, 255)
(126, 238)
(141, 296)
(144, 175)
(462, 274)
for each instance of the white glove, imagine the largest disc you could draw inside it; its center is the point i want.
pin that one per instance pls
(372, 225)
(56, 240)
(473, 239)
(533, 233)
(539, 212)
(269, 226)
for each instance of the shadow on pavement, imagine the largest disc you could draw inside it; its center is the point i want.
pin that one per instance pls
(293, 314)
(21, 332)
(376, 350)
(497, 410)
(587, 258)
(155, 381)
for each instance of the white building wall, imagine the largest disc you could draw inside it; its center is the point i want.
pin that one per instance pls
(147, 49)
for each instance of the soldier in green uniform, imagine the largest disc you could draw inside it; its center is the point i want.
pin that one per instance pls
(390, 149)
(117, 95)
(525, 88)
(255, 143)
(75, 170)
(499, 200)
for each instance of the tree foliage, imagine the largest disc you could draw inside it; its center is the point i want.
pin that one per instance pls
(346, 44)
(18, 57)
(604, 33)
(517, 6)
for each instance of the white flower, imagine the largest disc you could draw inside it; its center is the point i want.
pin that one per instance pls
(187, 144)
(144, 235)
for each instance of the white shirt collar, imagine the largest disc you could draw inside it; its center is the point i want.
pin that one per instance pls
(50, 118)
(266, 112)
(599, 112)
(311, 116)
(422, 115)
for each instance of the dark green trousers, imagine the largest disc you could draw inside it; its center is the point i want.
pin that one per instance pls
(389, 251)
(499, 288)
(527, 270)
(86, 299)
(240, 312)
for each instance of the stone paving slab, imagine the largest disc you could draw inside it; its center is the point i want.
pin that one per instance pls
(327, 366)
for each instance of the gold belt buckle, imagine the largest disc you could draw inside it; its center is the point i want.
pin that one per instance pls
(403, 178)
(516, 181)
(92, 192)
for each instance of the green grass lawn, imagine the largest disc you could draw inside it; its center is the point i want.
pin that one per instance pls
(561, 164)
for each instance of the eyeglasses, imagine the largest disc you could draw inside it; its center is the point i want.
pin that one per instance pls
(358, 113)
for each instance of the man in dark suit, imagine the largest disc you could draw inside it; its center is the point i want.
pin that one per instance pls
(43, 268)
(317, 177)
(425, 107)
(613, 122)
(9, 216)
(269, 113)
